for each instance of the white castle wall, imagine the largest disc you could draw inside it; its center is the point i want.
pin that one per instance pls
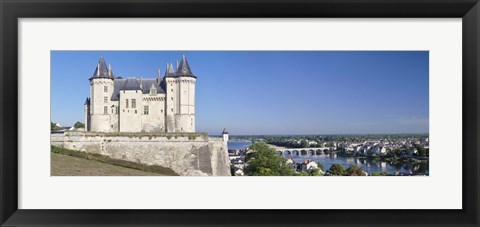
(171, 101)
(130, 117)
(200, 156)
(154, 121)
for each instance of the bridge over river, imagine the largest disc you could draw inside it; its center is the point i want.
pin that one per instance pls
(311, 151)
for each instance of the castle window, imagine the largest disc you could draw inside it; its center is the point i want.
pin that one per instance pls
(161, 111)
(135, 111)
(105, 88)
(105, 110)
(126, 103)
(172, 109)
(105, 99)
(153, 92)
(116, 109)
(172, 98)
(134, 103)
(145, 110)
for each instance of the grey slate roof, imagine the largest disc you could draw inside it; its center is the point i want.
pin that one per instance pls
(184, 68)
(169, 72)
(133, 83)
(101, 71)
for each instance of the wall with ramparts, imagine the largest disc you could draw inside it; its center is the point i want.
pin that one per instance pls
(188, 154)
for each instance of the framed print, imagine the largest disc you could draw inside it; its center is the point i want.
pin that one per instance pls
(203, 113)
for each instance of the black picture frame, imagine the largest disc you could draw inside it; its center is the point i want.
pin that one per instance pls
(11, 11)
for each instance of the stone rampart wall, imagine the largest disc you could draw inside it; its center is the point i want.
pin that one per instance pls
(187, 154)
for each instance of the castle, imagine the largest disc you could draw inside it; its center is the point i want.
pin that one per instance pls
(141, 104)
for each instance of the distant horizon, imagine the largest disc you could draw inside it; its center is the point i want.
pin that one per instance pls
(271, 92)
(343, 134)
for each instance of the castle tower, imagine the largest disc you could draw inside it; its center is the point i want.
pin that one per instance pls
(180, 103)
(101, 90)
(171, 88)
(185, 116)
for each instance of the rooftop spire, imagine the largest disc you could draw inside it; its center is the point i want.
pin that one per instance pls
(184, 69)
(102, 71)
(169, 71)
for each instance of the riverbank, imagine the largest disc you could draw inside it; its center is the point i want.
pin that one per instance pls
(278, 148)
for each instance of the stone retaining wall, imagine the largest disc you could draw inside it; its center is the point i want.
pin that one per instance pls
(186, 154)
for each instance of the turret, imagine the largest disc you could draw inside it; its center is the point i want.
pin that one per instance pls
(184, 69)
(185, 115)
(101, 90)
(225, 135)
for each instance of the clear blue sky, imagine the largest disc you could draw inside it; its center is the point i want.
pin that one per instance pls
(271, 92)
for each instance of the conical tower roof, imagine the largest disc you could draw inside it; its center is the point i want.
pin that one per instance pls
(102, 71)
(184, 68)
(169, 72)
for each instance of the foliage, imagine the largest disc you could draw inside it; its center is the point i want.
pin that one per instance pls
(336, 170)
(316, 172)
(232, 170)
(303, 143)
(354, 170)
(79, 124)
(320, 165)
(379, 174)
(422, 152)
(53, 126)
(313, 172)
(264, 161)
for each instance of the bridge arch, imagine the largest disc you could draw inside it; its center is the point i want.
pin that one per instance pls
(318, 152)
(311, 152)
(287, 153)
(303, 152)
(296, 153)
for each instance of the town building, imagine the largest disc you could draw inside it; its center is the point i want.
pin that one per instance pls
(137, 104)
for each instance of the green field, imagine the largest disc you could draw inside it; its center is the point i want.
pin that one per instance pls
(64, 165)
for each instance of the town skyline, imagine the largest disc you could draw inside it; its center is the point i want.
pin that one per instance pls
(271, 92)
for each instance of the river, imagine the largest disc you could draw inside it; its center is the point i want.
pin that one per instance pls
(328, 160)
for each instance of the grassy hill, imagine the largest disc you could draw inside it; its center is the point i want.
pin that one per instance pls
(66, 162)
(64, 165)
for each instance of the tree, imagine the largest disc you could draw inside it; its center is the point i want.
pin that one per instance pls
(79, 125)
(264, 161)
(336, 170)
(304, 143)
(53, 126)
(354, 170)
(421, 150)
(232, 170)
